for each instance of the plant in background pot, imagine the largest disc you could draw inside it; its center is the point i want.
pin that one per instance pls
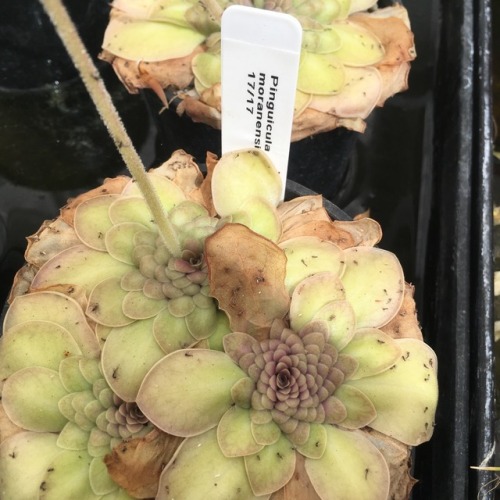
(354, 57)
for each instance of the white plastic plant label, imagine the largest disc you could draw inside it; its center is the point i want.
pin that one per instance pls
(260, 63)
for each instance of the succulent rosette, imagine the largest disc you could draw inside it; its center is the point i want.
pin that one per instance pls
(354, 56)
(64, 417)
(270, 349)
(303, 393)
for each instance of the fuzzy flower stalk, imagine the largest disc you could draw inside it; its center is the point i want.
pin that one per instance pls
(354, 56)
(278, 355)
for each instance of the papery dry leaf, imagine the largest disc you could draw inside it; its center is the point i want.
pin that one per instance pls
(303, 224)
(22, 281)
(398, 458)
(395, 79)
(299, 206)
(199, 112)
(243, 264)
(136, 465)
(393, 31)
(405, 323)
(364, 232)
(52, 237)
(113, 185)
(137, 75)
(181, 169)
(206, 186)
(299, 486)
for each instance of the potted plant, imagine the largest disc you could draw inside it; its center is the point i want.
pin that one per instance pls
(361, 52)
(174, 322)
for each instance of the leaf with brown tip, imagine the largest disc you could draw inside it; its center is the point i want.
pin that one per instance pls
(247, 277)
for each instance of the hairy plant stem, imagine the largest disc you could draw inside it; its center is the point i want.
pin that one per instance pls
(95, 86)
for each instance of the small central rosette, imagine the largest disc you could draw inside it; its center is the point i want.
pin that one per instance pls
(294, 377)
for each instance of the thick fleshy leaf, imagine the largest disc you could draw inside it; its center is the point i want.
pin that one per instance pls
(321, 74)
(265, 433)
(207, 68)
(128, 354)
(169, 192)
(315, 445)
(243, 264)
(216, 475)
(360, 94)
(241, 392)
(131, 209)
(24, 460)
(89, 368)
(171, 333)
(351, 467)
(359, 47)
(68, 477)
(308, 255)
(272, 467)
(30, 398)
(339, 316)
(79, 265)
(35, 343)
(374, 351)
(241, 175)
(137, 306)
(201, 322)
(188, 391)
(72, 437)
(92, 220)
(71, 377)
(105, 303)
(58, 308)
(100, 481)
(374, 285)
(133, 40)
(405, 397)
(311, 294)
(260, 216)
(360, 410)
(234, 433)
(321, 41)
(119, 241)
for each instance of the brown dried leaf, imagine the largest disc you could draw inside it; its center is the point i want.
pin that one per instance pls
(52, 238)
(392, 30)
(136, 465)
(206, 186)
(181, 169)
(22, 281)
(298, 206)
(159, 75)
(199, 111)
(299, 487)
(113, 185)
(303, 224)
(405, 323)
(363, 232)
(398, 458)
(247, 277)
